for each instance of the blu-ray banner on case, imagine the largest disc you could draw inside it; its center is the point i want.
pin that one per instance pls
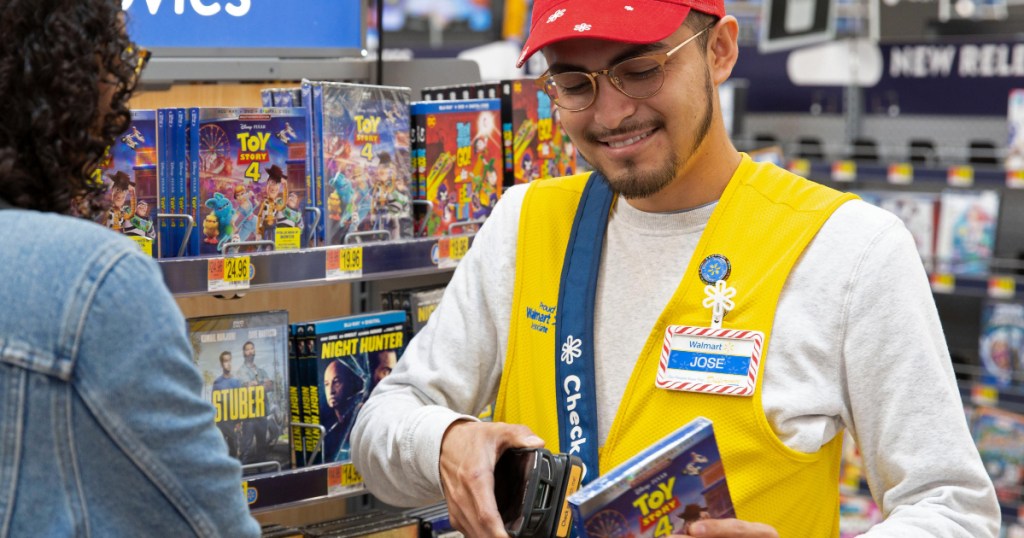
(661, 491)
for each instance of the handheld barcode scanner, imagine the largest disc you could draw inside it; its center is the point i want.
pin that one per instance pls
(531, 487)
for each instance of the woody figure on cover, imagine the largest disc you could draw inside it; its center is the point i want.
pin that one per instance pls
(273, 202)
(122, 191)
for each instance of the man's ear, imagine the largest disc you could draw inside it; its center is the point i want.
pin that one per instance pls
(723, 50)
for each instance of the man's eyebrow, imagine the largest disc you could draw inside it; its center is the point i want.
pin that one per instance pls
(632, 52)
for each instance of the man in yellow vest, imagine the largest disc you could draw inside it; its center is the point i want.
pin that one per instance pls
(563, 309)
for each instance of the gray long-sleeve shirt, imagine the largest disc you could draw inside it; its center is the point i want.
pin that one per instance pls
(856, 344)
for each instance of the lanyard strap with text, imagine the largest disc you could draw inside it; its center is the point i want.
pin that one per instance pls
(574, 327)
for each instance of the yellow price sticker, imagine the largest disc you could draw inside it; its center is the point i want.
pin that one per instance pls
(984, 395)
(800, 167)
(943, 283)
(344, 262)
(350, 476)
(844, 171)
(901, 174)
(960, 176)
(145, 244)
(1015, 179)
(458, 247)
(236, 269)
(287, 238)
(1002, 287)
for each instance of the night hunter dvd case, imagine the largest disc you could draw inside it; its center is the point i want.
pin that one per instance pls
(342, 360)
(660, 491)
(243, 360)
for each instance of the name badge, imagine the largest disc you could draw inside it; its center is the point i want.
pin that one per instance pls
(716, 361)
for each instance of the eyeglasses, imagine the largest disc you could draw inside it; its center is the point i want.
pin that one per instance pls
(138, 57)
(639, 78)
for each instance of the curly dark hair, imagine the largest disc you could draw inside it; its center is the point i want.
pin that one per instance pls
(58, 60)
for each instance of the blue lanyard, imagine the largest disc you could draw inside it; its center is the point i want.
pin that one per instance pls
(574, 327)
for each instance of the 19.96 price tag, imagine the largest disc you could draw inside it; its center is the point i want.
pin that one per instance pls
(450, 250)
(228, 274)
(344, 263)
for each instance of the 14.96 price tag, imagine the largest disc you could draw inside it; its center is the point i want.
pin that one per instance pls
(228, 274)
(344, 263)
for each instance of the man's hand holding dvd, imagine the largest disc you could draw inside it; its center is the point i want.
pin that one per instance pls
(469, 454)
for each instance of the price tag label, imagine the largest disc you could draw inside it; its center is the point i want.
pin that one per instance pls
(960, 176)
(844, 171)
(344, 263)
(900, 174)
(349, 475)
(943, 283)
(1002, 287)
(459, 247)
(228, 274)
(800, 167)
(984, 395)
(450, 250)
(287, 238)
(1015, 179)
(145, 244)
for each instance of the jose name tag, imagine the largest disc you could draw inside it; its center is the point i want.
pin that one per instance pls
(716, 361)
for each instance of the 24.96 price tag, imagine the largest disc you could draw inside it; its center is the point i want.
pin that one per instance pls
(228, 274)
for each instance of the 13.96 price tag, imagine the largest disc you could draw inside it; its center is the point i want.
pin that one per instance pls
(344, 263)
(228, 274)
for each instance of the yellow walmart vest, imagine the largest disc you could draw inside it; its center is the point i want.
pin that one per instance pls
(762, 223)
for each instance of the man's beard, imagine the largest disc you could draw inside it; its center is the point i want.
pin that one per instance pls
(634, 183)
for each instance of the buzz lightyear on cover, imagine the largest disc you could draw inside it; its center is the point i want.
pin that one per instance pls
(366, 163)
(129, 172)
(252, 177)
(243, 360)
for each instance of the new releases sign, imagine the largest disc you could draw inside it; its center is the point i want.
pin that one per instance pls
(278, 28)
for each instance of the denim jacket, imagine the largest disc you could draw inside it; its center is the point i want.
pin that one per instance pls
(102, 428)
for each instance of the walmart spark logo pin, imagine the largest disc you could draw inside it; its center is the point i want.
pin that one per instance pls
(714, 268)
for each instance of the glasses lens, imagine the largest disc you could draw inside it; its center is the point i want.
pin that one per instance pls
(638, 77)
(572, 90)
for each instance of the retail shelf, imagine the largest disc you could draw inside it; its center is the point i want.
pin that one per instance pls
(861, 174)
(308, 484)
(993, 286)
(308, 267)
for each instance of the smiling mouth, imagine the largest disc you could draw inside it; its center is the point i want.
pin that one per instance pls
(629, 141)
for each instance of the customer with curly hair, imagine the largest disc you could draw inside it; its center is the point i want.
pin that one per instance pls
(102, 428)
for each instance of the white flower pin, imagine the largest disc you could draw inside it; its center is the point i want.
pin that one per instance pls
(719, 300)
(582, 27)
(555, 16)
(571, 349)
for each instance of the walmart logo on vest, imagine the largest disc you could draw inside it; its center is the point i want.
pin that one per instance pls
(541, 317)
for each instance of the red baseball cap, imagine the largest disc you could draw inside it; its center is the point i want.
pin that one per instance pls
(625, 21)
